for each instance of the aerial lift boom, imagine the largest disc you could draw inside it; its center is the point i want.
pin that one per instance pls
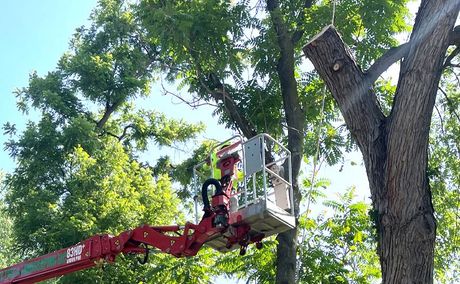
(221, 226)
(105, 247)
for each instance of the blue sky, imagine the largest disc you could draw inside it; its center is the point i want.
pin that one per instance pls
(33, 35)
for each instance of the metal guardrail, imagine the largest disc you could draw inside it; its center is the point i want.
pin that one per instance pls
(259, 174)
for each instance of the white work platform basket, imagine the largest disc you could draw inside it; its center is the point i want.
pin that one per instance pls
(263, 196)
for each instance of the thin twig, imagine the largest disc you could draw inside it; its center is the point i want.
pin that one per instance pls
(193, 104)
(125, 131)
(449, 102)
(315, 158)
(451, 56)
(440, 118)
(292, 128)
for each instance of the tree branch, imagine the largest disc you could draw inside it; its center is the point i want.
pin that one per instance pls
(448, 61)
(357, 102)
(454, 37)
(109, 133)
(275, 15)
(337, 67)
(440, 118)
(212, 85)
(297, 35)
(449, 102)
(397, 53)
(421, 71)
(219, 93)
(193, 104)
(385, 61)
(109, 109)
(295, 116)
(125, 131)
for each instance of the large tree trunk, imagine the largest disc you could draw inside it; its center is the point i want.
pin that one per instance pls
(286, 256)
(394, 148)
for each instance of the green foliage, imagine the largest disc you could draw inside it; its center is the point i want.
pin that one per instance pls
(6, 240)
(197, 269)
(333, 247)
(230, 49)
(385, 91)
(140, 127)
(77, 172)
(444, 174)
(256, 265)
(191, 31)
(108, 58)
(338, 247)
(183, 172)
(7, 245)
(111, 193)
(76, 194)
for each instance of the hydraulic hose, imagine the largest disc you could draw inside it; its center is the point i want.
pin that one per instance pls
(204, 191)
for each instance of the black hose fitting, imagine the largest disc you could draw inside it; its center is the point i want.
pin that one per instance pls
(204, 191)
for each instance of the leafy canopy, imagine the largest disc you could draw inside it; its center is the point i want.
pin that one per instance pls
(77, 172)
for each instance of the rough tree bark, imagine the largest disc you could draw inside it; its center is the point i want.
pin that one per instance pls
(394, 148)
(286, 252)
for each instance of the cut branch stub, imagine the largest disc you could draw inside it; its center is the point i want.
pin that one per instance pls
(356, 100)
(336, 66)
(454, 37)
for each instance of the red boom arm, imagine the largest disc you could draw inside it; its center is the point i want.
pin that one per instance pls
(180, 241)
(86, 254)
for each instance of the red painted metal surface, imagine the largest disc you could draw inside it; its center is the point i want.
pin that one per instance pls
(179, 241)
(86, 254)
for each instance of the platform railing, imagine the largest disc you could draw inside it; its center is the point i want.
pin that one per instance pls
(258, 181)
(267, 173)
